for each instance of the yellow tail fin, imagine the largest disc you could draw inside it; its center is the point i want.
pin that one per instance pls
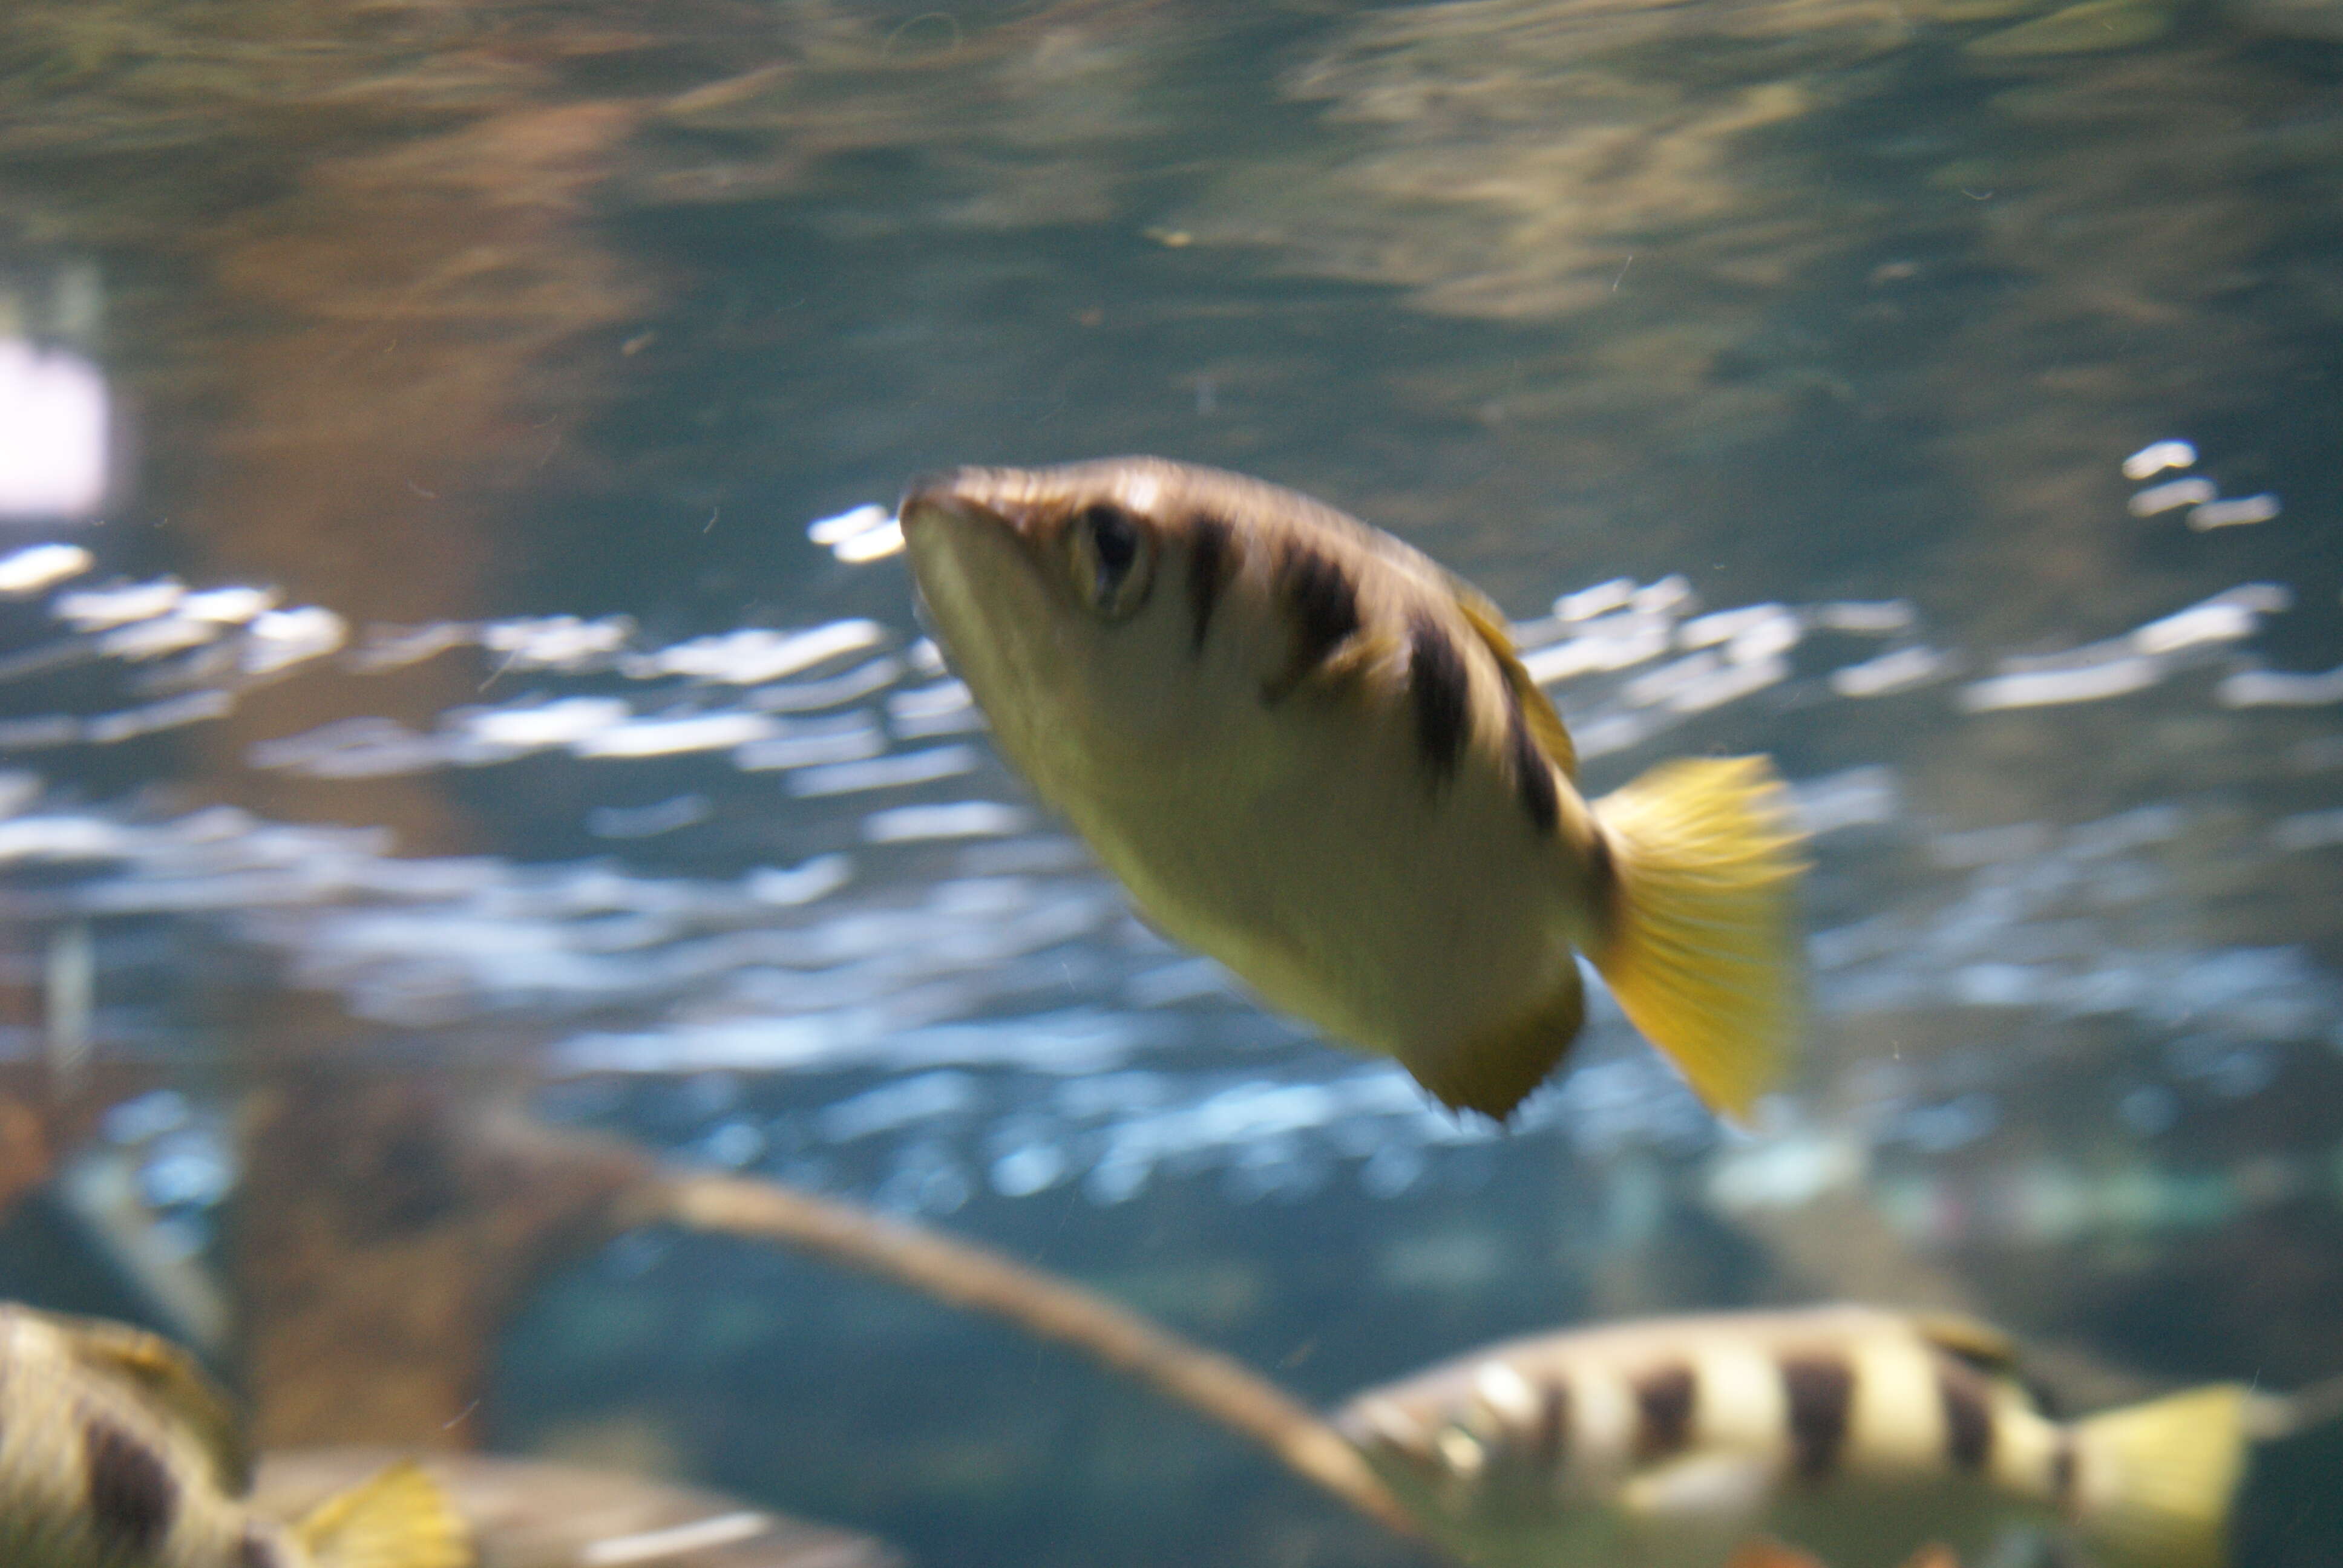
(400, 1519)
(1701, 954)
(2156, 1479)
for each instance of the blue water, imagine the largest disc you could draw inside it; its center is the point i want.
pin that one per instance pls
(447, 673)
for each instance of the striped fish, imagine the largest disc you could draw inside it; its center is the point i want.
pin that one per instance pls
(1862, 1436)
(1309, 752)
(115, 1451)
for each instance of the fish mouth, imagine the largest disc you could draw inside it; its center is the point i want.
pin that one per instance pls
(976, 564)
(942, 499)
(928, 503)
(975, 561)
(932, 491)
(1011, 501)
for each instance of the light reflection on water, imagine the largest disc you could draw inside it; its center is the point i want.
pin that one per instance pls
(958, 946)
(448, 681)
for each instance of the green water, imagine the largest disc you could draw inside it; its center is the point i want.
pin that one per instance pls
(444, 321)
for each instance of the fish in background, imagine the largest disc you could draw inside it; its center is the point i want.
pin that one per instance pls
(1312, 753)
(115, 1451)
(1866, 1437)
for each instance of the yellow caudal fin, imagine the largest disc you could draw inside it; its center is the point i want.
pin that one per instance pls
(2154, 1481)
(400, 1519)
(1701, 953)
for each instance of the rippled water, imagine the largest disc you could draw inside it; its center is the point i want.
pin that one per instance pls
(451, 623)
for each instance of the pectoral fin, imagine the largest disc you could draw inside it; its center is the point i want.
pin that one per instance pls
(1701, 1490)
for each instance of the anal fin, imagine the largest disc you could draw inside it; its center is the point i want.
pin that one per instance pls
(1494, 1071)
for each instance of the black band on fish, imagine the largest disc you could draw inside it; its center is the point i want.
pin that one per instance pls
(257, 1550)
(1819, 1390)
(1323, 605)
(132, 1497)
(2062, 1476)
(1664, 1406)
(1212, 553)
(1549, 1441)
(1969, 1415)
(1532, 772)
(1439, 689)
(1601, 872)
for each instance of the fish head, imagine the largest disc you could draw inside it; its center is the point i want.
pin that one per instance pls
(1478, 1489)
(1056, 595)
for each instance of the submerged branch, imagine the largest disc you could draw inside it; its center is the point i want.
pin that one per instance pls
(979, 1280)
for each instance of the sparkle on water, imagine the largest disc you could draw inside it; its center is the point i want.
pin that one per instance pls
(451, 613)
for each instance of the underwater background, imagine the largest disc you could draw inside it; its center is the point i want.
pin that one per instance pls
(452, 656)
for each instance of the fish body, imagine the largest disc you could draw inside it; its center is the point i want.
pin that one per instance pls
(1862, 1436)
(1309, 752)
(116, 1452)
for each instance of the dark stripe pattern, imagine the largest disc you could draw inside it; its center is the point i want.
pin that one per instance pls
(1441, 691)
(2062, 1476)
(1602, 870)
(1321, 604)
(1664, 1406)
(1549, 1447)
(1969, 1415)
(257, 1550)
(1532, 773)
(1819, 1390)
(1212, 553)
(132, 1497)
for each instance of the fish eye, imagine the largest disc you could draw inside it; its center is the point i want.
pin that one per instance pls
(1113, 559)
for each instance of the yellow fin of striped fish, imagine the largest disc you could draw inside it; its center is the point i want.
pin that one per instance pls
(1546, 725)
(1980, 1344)
(1495, 1071)
(399, 1519)
(1701, 955)
(2171, 1468)
(167, 1380)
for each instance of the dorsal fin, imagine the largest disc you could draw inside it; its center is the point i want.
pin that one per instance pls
(1980, 1344)
(1546, 725)
(167, 1380)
